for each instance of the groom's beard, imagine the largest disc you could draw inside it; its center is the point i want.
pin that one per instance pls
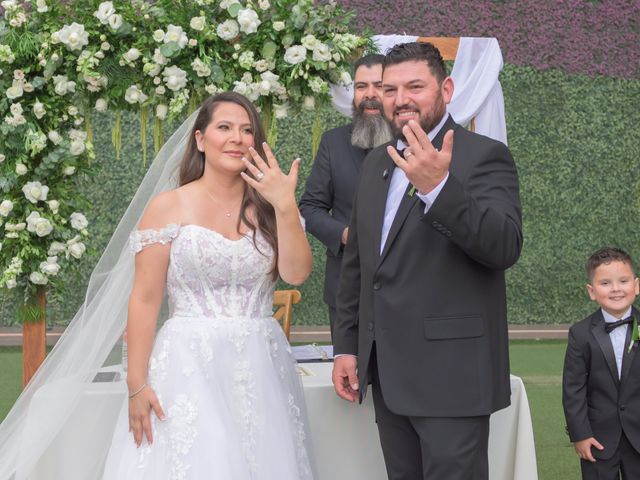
(369, 131)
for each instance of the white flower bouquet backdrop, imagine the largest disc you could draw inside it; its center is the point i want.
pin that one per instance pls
(60, 61)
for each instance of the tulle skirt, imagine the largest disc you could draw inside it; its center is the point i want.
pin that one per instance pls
(233, 403)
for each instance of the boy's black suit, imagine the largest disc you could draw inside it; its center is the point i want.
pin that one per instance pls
(597, 403)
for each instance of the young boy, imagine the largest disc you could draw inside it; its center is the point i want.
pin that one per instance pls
(601, 378)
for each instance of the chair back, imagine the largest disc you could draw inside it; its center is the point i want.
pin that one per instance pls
(283, 301)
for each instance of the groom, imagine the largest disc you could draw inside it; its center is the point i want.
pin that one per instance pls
(421, 310)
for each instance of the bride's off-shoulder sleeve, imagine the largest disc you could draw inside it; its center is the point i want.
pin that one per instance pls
(140, 239)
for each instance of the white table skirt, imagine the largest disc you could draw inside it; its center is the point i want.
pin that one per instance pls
(344, 435)
(347, 447)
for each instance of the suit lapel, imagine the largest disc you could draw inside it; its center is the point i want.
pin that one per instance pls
(628, 356)
(602, 337)
(382, 183)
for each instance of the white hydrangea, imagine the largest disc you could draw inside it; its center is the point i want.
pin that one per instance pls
(73, 36)
(201, 68)
(248, 20)
(56, 248)
(174, 78)
(5, 207)
(6, 55)
(261, 65)
(240, 87)
(245, 60)
(38, 278)
(78, 221)
(159, 58)
(197, 23)
(50, 267)
(318, 85)
(228, 29)
(295, 54)
(134, 95)
(101, 105)
(176, 34)
(151, 69)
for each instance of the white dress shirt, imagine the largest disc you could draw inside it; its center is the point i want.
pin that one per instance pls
(618, 336)
(398, 186)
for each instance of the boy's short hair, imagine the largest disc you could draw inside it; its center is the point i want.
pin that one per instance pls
(607, 255)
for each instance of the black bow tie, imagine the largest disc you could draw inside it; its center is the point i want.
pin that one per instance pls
(611, 326)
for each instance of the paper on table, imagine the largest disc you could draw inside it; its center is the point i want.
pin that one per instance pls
(313, 352)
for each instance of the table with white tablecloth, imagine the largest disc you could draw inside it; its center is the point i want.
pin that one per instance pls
(344, 435)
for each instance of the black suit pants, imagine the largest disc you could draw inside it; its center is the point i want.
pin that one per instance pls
(430, 448)
(625, 461)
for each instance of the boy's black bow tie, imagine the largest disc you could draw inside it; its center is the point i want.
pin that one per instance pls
(610, 326)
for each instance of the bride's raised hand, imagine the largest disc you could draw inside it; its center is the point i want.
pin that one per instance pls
(270, 181)
(140, 406)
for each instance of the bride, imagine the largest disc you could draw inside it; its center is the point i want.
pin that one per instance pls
(216, 394)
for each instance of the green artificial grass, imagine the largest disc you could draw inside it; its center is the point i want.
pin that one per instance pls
(538, 363)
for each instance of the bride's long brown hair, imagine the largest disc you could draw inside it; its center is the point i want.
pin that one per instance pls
(192, 168)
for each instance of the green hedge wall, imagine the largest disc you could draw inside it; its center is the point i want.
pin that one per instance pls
(575, 140)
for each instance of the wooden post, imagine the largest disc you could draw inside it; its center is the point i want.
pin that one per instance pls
(34, 339)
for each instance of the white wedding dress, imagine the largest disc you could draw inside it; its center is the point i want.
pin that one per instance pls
(222, 369)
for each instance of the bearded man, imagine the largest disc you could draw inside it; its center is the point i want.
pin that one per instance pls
(326, 202)
(421, 307)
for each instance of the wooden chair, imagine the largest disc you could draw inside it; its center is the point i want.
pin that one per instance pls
(284, 301)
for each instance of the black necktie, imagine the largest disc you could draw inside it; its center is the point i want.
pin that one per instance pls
(611, 326)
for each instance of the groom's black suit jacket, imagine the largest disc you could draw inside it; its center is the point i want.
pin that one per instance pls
(597, 403)
(434, 302)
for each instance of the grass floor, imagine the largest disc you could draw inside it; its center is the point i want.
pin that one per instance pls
(538, 363)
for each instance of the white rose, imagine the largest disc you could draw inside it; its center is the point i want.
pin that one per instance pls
(309, 103)
(295, 54)
(261, 65)
(2, 157)
(159, 58)
(21, 169)
(228, 29)
(38, 225)
(5, 207)
(211, 89)
(248, 20)
(345, 78)
(197, 23)
(264, 4)
(176, 34)
(56, 248)
(16, 108)
(76, 249)
(241, 88)
(11, 283)
(18, 74)
(70, 170)
(50, 267)
(15, 91)
(115, 21)
(175, 78)
(158, 35)
(278, 26)
(55, 137)
(41, 6)
(105, 10)
(134, 95)
(77, 134)
(310, 42)
(101, 105)
(193, 42)
(54, 205)
(38, 110)
(201, 69)
(162, 111)
(28, 87)
(77, 147)
(105, 46)
(73, 110)
(264, 87)
(38, 278)
(322, 52)
(74, 36)
(79, 221)
(160, 90)
(132, 55)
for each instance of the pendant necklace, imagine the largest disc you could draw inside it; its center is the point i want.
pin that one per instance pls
(227, 212)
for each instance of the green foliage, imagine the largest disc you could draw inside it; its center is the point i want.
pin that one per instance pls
(575, 141)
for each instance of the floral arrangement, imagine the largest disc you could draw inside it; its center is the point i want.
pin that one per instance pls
(60, 61)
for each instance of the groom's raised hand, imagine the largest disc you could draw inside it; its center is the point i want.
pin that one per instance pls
(345, 378)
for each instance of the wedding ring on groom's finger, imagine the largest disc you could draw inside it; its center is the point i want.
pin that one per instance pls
(259, 176)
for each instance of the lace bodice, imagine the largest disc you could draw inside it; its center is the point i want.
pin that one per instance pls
(210, 275)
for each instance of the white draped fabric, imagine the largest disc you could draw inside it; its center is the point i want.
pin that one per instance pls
(477, 92)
